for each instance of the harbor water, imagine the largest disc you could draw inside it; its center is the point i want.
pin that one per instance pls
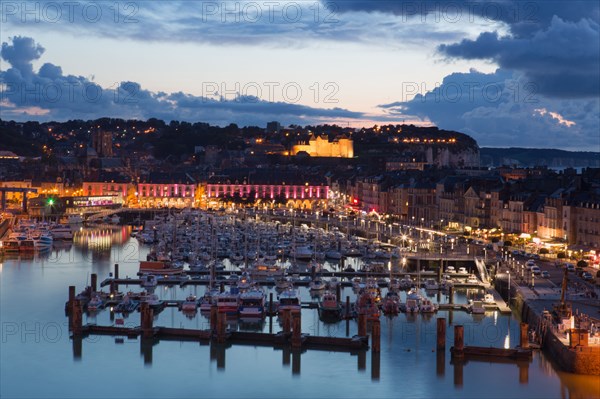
(38, 359)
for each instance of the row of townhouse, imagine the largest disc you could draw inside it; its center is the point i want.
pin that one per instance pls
(462, 202)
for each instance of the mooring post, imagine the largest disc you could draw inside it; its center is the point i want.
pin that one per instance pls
(147, 315)
(440, 270)
(221, 328)
(451, 295)
(347, 307)
(362, 325)
(524, 337)
(458, 373)
(440, 363)
(459, 342)
(376, 335)
(296, 330)
(270, 303)
(116, 271)
(375, 365)
(287, 321)
(94, 282)
(71, 302)
(77, 319)
(222, 287)
(441, 333)
(338, 292)
(213, 317)
(523, 372)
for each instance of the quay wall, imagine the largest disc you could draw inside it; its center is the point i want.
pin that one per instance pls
(578, 359)
(4, 227)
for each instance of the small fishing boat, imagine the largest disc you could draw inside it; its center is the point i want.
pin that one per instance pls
(426, 306)
(365, 304)
(317, 284)
(391, 303)
(329, 307)
(127, 305)
(190, 303)
(252, 303)
(148, 280)
(95, 304)
(289, 299)
(228, 301)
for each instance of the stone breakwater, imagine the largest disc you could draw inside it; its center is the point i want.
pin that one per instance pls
(568, 353)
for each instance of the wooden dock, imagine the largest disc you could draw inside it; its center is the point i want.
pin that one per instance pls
(482, 353)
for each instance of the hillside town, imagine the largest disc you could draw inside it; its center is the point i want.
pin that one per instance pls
(420, 176)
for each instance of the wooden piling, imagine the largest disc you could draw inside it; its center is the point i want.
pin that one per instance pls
(376, 336)
(347, 307)
(524, 337)
(362, 325)
(441, 333)
(375, 365)
(440, 271)
(77, 318)
(451, 295)
(213, 317)
(458, 373)
(296, 362)
(147, 320)
(459, 342)
(221, 328)
(116, 274)
(440, 363)
(523, 373)
(270, 303)
(94, 282)
(338, 292)
(287, 321)
(296, 330)
(71, 299)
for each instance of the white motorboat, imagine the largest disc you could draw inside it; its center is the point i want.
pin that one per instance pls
(431, 284)
(252, 303)
(289, 300)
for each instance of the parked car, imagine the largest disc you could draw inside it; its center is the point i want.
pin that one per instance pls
(587, 276)
(536, 270)
(545, 274)
(570, 267)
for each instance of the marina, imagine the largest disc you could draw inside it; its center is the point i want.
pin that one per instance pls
(119, 307)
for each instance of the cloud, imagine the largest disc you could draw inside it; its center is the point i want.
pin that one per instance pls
(556, 44)
(21, 53)
(563, 60)
(524, 18)
(246, 23)
(51, 95)
(503, 108)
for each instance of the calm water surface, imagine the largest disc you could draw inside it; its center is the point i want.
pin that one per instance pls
(39, 360)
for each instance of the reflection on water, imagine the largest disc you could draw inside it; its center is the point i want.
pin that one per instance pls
(101, 238)
(408, 359)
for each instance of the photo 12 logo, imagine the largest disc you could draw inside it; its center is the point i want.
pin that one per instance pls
(274, 12)
(68, 11)
(289, 92)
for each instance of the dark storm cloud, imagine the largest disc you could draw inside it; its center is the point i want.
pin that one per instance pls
(504, 108)
(49, 94)
(554, 43)
(525, 17)
(563, 60)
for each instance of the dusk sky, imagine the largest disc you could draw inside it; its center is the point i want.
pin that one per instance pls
(508, 73)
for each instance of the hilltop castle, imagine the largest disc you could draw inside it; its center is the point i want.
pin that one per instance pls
(320, 146)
